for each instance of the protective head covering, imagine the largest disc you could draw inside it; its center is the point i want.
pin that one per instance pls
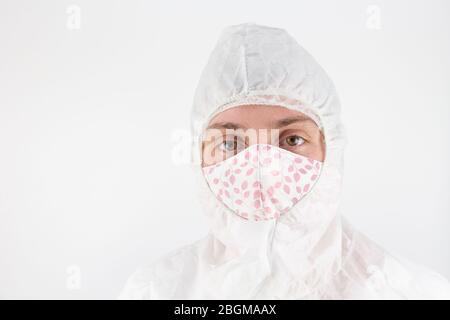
(307, 252)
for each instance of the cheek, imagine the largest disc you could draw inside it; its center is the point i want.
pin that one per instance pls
(320, 150)
(315, 150)
(207, 158)
(211, 156)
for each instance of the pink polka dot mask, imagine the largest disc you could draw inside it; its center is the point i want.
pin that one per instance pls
(263, 181)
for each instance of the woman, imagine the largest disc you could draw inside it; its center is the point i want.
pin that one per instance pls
(269, 157)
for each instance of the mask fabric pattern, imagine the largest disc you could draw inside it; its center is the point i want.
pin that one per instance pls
(262, 181)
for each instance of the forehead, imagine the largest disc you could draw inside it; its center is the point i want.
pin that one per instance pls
(259, 116)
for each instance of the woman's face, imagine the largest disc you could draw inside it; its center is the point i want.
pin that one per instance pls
(235, 129)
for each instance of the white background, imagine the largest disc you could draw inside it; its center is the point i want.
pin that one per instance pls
(87, 117)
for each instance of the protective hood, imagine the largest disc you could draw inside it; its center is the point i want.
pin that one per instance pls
(258, 65)
(309, 252)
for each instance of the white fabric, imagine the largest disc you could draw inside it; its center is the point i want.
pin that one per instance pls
(311, 251)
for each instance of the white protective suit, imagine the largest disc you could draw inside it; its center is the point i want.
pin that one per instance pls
(310, 252)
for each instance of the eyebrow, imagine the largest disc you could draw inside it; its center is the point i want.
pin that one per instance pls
(279, 123)
(290, 120)
(225, 125)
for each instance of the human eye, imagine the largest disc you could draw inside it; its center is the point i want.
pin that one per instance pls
(227, 146)
(231, 145)
(294, 140)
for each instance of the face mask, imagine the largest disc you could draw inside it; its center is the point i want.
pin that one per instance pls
(263, 181)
